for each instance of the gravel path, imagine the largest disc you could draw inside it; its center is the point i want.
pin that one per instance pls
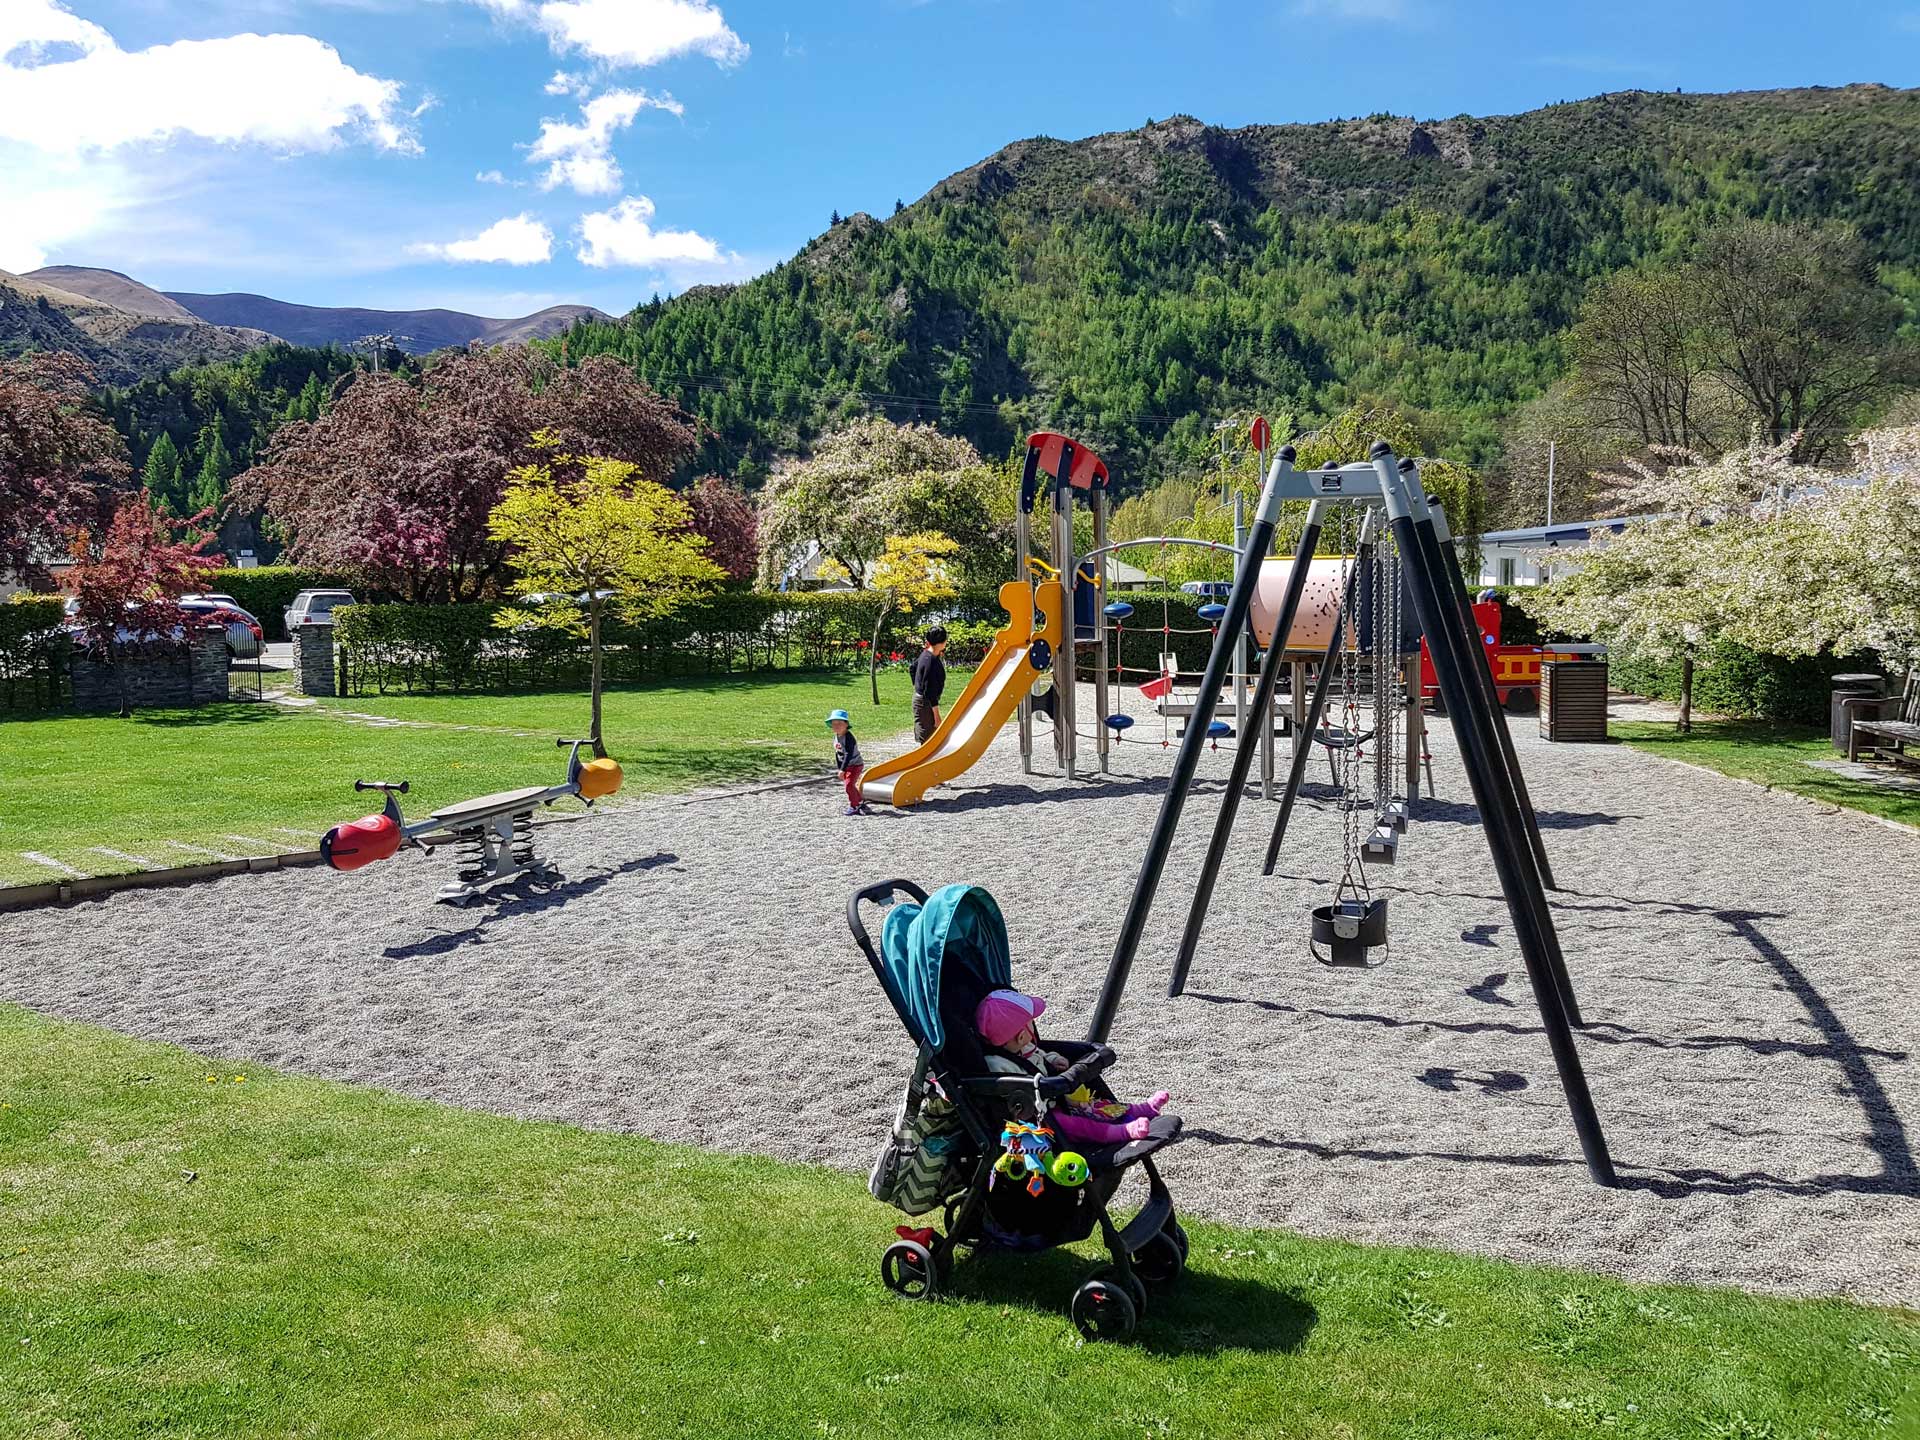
(1746, 960)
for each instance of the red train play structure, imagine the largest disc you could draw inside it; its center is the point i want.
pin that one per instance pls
(1516, 668)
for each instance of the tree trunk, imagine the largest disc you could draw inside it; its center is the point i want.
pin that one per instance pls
(1686, 693)
(114, 658)
(593, 624)
(873, 655)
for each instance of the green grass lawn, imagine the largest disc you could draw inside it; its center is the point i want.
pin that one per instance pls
(1774, 756)
(166, 779)
(201, 1249)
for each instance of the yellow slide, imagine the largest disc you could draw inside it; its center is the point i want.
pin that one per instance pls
(994, 693)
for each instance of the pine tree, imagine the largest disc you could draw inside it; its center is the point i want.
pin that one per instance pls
(162, 476)
(898, 207)
(835, 221)
(216, 468)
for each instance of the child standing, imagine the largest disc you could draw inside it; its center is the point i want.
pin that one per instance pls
(848, 760)
(929, 680)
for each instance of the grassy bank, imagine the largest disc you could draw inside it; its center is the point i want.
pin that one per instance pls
(208, 1249)
(1771, 755)
(167, 784)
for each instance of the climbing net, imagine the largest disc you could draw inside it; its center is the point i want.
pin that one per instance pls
(1165, 670)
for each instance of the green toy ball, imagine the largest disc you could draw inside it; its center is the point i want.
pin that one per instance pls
(1069, 1168)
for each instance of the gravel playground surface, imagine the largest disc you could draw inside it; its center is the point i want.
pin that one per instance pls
(1745, 960)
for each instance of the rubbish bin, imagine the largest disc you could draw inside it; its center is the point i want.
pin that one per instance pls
(1839, 713)
(1573, 700)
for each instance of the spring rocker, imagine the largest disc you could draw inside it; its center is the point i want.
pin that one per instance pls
(495, 832)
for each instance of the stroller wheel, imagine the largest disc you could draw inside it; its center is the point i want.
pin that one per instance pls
(1102, 1310)
(1179, 1238)
(908, 1269)
(1161, 1259)
(1136, 1290)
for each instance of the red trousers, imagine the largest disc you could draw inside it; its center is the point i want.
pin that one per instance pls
(851, 778)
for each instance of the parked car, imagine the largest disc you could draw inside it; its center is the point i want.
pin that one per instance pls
(314, 607)
(1208, 589)
(243, 631)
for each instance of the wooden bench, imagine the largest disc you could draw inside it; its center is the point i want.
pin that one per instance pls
(1889, 736)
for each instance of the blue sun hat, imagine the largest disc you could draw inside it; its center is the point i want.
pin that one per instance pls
(833, 715)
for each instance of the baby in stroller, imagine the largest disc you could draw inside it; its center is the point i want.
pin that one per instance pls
(940, 961)
(1005, 1021)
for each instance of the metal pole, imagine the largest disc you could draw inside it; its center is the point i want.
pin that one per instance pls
(1063, 659)
(1486, 726)
(1482, 668)
(1101, 697)
(1551, 445)
(1322, 684)
(1240, 640)
(1516, 881)
(1187, 761)
(1022, 552)
(1242, 763)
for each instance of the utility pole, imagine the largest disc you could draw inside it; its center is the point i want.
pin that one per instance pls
(1551, 446)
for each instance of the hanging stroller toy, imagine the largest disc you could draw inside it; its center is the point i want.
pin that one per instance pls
(939, 958)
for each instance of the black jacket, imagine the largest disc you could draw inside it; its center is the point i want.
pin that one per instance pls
(929, 677)
(846, 751)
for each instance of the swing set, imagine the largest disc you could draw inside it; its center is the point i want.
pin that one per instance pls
(1402, 545)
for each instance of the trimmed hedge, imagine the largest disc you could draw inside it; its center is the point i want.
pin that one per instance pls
(267, 590)
(429, 648)
(1729, 679)
(34, 651)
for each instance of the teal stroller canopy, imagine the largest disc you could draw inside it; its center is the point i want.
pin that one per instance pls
(959, 925)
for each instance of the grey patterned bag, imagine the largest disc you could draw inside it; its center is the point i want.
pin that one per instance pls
(912, 1172)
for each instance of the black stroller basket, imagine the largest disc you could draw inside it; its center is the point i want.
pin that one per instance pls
(979, 1214)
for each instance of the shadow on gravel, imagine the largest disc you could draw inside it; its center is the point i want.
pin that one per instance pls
(1885, 1136)
(995, 797)
(1457, 812)
(1202, 1313)
(523, 897)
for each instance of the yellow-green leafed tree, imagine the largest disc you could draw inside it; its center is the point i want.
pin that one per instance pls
(910, 572)
(592, 537)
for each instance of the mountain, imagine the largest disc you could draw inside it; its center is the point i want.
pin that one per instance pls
(225, 321)
(121, 328)
(415, 331)
(1135, 287)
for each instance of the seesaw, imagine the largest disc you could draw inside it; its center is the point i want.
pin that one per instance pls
(496, 831)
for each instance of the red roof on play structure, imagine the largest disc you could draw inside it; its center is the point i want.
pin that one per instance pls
(1088, 468)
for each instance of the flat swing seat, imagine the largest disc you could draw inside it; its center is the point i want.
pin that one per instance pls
(485, 807)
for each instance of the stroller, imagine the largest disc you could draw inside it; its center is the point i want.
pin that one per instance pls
(938, 958)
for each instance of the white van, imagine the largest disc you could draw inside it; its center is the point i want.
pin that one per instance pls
(314, 607)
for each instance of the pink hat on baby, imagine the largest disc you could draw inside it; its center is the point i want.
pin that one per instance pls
(1005, 1013)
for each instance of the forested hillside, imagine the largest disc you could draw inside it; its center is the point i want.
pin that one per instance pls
(190, 431)
(1134, 287)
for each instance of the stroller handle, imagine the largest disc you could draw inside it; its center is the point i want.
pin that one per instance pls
(881, 892)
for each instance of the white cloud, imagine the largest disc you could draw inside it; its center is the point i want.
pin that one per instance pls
(566, 83)
(517, 240)
(629, 32)
(494, 177)
(47, 201)
(625, 235)
(582, 155)
(290, 92)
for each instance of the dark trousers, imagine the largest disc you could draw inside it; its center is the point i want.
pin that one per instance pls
(923, 722)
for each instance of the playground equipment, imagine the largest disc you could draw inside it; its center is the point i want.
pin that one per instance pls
(1022, 654)
(1438, 595)
(1516, 668)
(495, 831)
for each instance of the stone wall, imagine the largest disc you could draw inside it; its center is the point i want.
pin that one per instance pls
(191, 674)
(313, 659)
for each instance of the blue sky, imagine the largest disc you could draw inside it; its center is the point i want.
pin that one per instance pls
(502, 155)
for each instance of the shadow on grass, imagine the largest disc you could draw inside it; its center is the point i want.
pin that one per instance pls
(216, 712)
(520, 898)
(1202, 1313)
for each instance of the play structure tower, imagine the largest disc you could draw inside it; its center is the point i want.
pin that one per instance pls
(1070, 466)
(1038, 639)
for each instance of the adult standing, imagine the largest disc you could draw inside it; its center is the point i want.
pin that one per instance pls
(929, 681)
